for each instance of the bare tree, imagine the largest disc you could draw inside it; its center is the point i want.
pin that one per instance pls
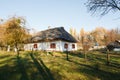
(73, 32)
(82, 34)
(117, 31)
(98, 35)
(103, 6)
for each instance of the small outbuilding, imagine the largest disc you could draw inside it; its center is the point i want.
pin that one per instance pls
(114, 46)
(53, 39)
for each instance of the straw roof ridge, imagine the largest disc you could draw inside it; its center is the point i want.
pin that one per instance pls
(58, 33)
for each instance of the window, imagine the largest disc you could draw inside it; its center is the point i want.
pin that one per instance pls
(52, 45)
(65, 45)
(35, 45)
(73, 46)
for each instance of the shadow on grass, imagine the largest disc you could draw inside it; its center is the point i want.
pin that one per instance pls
(22, 69)
(97, 58)
(6, 72)
(43, 70)
(101, 74)
(76, 54)
(96, 71)
(113, 64)
(4, 56)
(8, 69)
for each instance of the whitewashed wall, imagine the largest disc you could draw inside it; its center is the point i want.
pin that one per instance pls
(46, 46)
(69, 46)
(116, 49)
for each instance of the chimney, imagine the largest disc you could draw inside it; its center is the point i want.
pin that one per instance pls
(49, 27)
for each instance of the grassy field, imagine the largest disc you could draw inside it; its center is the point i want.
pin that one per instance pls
(43, 66)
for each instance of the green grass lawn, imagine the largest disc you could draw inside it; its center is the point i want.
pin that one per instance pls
(43, 66)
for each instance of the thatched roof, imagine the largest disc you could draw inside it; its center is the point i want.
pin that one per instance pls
(53, 34)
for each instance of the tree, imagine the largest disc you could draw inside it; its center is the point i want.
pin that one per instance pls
(112, 35)
(73, 33)
(82, 34)
(98, 35)
(2, 30)
(15, 32)
(103, 6)
(85, 42)
(117, 30)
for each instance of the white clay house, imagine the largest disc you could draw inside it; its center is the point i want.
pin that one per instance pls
(53, 39)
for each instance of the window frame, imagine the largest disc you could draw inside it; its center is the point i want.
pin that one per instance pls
(66, 45)
(52, 45)
(73, 46)
(35, 45)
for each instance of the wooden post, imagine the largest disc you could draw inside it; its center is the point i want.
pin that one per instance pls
(85, 48)
(67, 54)
(108, 57)
(85, 56)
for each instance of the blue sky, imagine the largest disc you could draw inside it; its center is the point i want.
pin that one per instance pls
(55, 13)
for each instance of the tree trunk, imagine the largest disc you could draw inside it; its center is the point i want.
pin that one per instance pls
(8, 48)
(85, 55)
(17, 50)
